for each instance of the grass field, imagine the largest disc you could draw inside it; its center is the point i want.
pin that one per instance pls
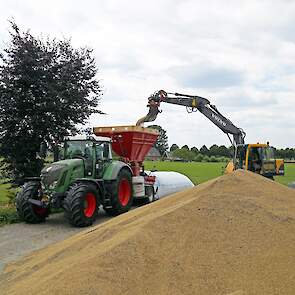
(201, 172)
(289, 175)
(197, 172)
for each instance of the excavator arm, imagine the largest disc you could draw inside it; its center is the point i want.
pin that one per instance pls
(193, 103)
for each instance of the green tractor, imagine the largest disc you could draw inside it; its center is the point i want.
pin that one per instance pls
(85, 179)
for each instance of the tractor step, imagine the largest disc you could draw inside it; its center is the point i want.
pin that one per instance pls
(107, 203)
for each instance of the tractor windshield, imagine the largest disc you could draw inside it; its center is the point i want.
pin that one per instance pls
(78, 148)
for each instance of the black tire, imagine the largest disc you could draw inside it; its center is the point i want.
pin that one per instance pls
(81, 204)
(27, 211)
(149, 191)
(121, 196)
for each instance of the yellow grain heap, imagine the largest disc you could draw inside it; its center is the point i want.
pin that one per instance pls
(232, 235)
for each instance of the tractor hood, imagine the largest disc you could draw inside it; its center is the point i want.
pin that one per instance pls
(54, 173)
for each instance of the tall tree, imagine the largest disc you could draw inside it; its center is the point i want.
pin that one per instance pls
(162, 142)
(195, 150)
(47, 87)
(174, 147)
(204, 150)
(223, 151)
(213, 150)
(184, 154)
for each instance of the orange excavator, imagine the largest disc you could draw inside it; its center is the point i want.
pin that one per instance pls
(258, 157)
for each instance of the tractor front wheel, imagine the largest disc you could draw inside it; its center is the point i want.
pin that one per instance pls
(81, 204)
(27, 211)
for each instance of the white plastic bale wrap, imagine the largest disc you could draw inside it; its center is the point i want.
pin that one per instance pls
(169, 182)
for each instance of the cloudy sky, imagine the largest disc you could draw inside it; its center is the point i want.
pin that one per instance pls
(239, 54)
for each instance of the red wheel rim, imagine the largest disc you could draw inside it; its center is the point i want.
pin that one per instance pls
(39, 210)
(89, 204)
(124, 192)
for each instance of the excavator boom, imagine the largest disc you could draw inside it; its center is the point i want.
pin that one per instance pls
(193, 103)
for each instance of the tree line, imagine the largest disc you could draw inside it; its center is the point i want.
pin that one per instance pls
(213, 154)
(287, 153)
(217, 153)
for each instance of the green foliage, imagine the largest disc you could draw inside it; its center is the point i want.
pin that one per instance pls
(223, 151)
(3, 193)
(174, 147)
(8, 215)
(46, 88)
(162, 142)
(191, 155)
(227, 152)
(223, 159)
(195, 150)
(213, 159)
(184, 154)
(204, 150)
(206, 159)
(11, 195)
(213, 150)
(288, 153)
(199, 158)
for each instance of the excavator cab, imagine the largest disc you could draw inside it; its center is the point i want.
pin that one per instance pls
(258, 158)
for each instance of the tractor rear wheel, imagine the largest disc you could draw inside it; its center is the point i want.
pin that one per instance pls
(81, 204)
(27, 211)
(121, 196)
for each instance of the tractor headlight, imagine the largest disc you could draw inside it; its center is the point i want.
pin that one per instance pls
(53, 185)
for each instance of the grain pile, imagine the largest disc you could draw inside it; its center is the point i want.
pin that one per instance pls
(233, 235)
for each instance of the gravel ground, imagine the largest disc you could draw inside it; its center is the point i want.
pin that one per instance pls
(18, 240)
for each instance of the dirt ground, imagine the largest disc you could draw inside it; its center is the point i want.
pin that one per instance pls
(20, 239)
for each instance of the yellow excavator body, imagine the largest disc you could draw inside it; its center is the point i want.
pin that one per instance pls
(280, 167)
(258, 158)
(230, 167)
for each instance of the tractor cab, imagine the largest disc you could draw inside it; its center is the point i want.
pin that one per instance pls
(95, 151)
(258, 158)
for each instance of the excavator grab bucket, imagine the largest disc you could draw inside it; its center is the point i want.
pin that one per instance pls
(153, 105)
(151, 116)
